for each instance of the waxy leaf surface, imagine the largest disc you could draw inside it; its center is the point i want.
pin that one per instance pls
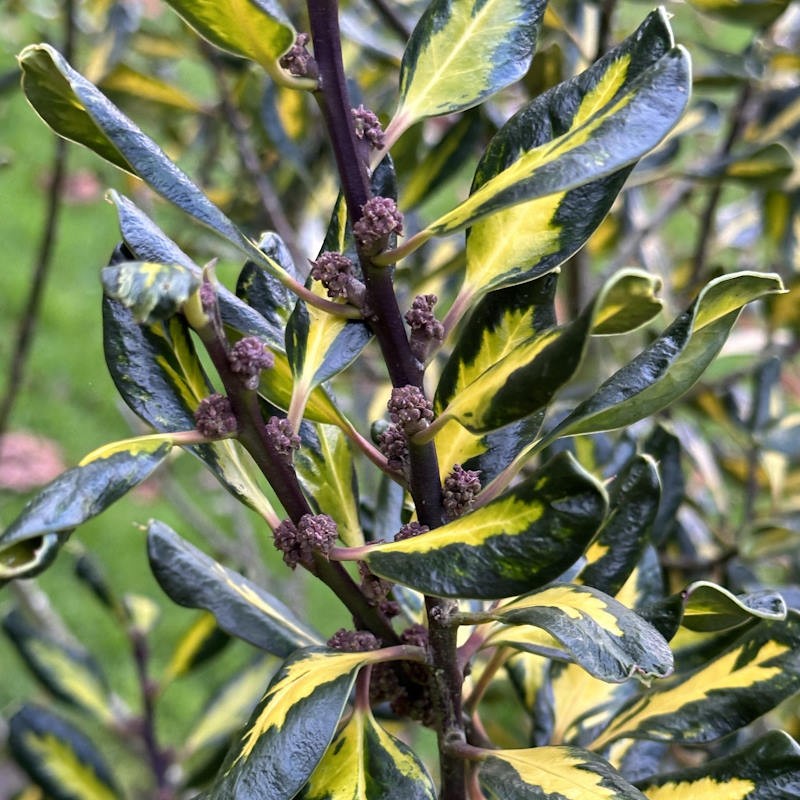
(600, 634)
(766, 769)
(751, 676)
(463, 51)
(30, 543)
(514, 544)
(255, 29)
(291, 728)
(550, 229)
(365, 762)
(242, 609)
(542, 773)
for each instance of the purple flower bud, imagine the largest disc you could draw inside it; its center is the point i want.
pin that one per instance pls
(410, 409)
(375, 589)
(410, 529)
(334, 271)
(416, 635)
(368, 127)
(353, 641)
(208, 296)
(461, 487)
(426, 330)
(380, 218)
(317, 532)
(214, 416)
(298, 61)
(286, 539)
(393, 443)
(282, 436)
(248, 357)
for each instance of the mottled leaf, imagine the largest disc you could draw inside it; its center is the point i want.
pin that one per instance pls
(607, 639)
(542, 773)
(751, 676)
(59, 758)
(67, 671)
(242, 609)
(515, 543)
(291, 727)
(365, 762)
(463, 51)
(30, 543)
(767, 769)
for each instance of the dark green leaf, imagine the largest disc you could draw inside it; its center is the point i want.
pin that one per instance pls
(242, 609)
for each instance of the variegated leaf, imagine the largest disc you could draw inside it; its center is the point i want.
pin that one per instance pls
(512, 375)
(542, 773)
(752, 675)
(674, 362)
(633, 503)
(230, 706)
(32, 540)
(124, 79)
(461, 52)
(291, 728)
(151, 291)
(616, 133)
(607, 639)
(550, 229)
(324, 466)
(59, 758)
(67, 671)
(365, 762)
(159, 375)
(767, 769)
(242, 609)
(256, 29)
(75, 109)
(750, 12)
(515, 543)
(203, 640)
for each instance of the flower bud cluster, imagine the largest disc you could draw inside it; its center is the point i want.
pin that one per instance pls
(298, 61)
(247, 358)
(353, 641)
(368, 127)
(214, 416)
(335, 272)
(409, 530)
(314, 533)
(282, 437)
(376, 590)
(392, 442)
(380, 219)
(426, 331)
(461, 487)
(410, 409)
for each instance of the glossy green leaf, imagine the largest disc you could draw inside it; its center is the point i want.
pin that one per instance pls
(59, 758)
(365, 762)
(674, 362)
(607, 639)
(752, 675)
(67, 671)
(463, 51)
(550, 229)
(230, 706)
(514, 544)
(159, 375)
(767, 769)
(291, 728)
(255, 29)
(633, 503)
(324, 466)
(542, 773)
(30, 543)
(618, 132)
(512, 370)
(151, 291)
(242, 609)
(75, 109)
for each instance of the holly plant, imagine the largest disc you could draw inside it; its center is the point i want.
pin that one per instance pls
(495, 546)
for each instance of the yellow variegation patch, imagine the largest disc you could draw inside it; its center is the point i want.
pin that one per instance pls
(702, 789)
